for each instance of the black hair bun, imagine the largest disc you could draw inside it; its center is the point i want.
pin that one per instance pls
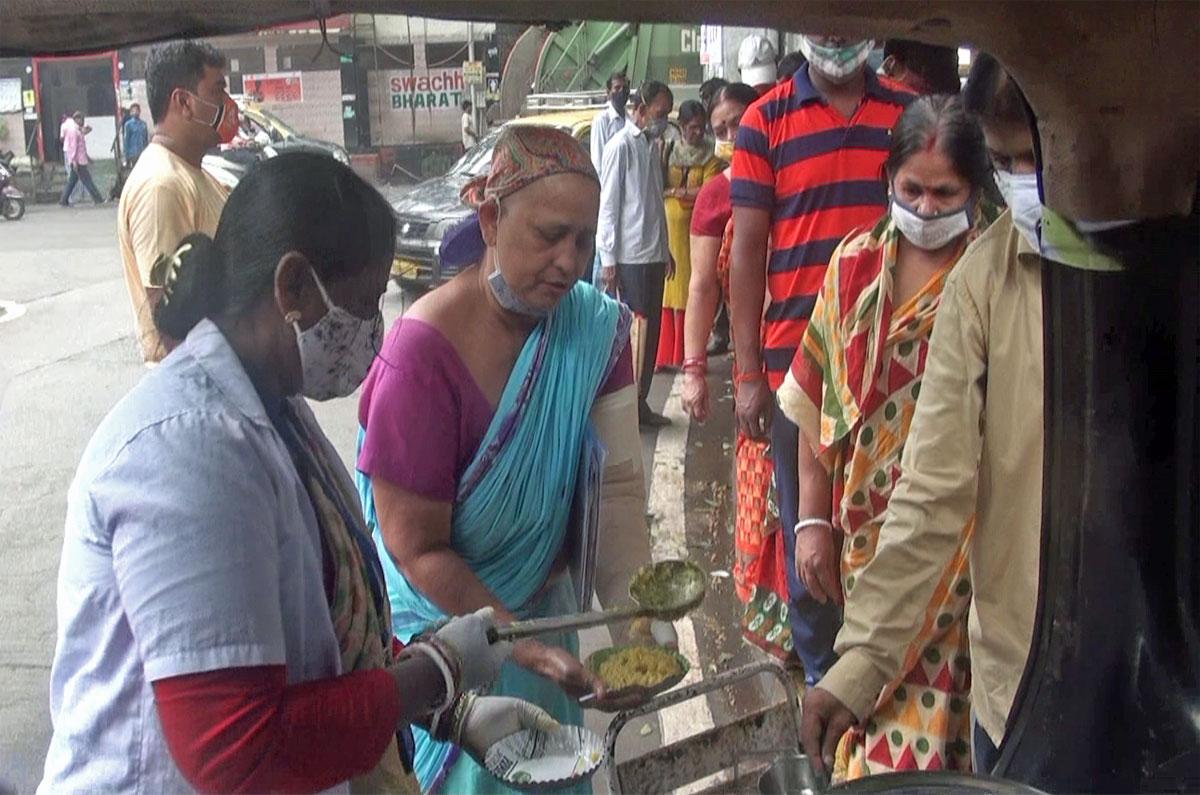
(191, 282)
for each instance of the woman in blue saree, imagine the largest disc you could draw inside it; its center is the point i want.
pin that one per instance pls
(476, 416)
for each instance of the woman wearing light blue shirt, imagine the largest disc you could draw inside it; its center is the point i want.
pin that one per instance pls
(223, 622)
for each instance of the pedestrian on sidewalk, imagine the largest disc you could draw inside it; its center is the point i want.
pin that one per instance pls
(134, 136)
(632, 237)
(760, 566)
(470, 136)
(611, 120)
(805, 174)
(75, 155)
(690, 165)
(605, 125)
(168, 195)
(63, 124)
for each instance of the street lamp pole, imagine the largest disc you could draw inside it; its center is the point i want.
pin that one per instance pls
(476, 115)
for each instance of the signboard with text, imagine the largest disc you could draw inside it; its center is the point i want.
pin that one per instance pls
(411, 106)
(275, 86)
(473, 73)
(440, 88)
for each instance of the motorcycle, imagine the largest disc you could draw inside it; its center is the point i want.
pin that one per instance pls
(12, 201)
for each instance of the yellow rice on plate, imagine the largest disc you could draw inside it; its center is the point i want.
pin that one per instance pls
(645, 666)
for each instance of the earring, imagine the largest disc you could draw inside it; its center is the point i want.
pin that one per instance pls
(291, 317)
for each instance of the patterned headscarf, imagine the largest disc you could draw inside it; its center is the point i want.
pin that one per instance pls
(523, 155)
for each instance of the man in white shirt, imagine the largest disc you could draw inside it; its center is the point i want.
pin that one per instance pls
(632, 229)
(608, 123)
(611, 120)
(469, 136)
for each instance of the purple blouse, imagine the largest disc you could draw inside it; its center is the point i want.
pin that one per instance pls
(426, 415)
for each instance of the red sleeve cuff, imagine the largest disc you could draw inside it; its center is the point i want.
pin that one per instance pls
(246, 730)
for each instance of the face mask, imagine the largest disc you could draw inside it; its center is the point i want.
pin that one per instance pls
(226, 119)
(837, 64)
(1020, 192)
(619, 99)
(930, 232)
(337, 351)
(656, 128)
(505, 295)
(724, 150)
(508, 298)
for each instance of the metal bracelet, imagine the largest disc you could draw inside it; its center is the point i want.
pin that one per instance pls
(812, 522)
(458, 716)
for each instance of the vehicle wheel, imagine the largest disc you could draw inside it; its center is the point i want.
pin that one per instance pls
(13, 209)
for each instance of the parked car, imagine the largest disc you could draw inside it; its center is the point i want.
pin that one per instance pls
(264, 136)
(283, 137)
(426, 210)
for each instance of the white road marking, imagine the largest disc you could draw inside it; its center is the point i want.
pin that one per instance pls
(10, 310)
(668, 540)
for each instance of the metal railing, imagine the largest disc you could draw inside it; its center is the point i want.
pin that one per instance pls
(564, 100)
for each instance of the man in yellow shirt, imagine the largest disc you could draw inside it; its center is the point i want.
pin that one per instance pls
(975, 448)
(168, 195)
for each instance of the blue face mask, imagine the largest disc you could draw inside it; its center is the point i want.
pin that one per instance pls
(505, 295)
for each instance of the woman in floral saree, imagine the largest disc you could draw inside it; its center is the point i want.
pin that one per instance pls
(475, 419)
(759, 573)
(852, 390)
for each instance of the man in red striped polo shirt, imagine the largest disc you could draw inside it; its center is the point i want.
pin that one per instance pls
(807, 171)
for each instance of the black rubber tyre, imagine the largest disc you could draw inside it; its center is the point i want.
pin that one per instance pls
(12, 209)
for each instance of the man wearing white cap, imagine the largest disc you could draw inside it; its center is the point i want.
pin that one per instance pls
(756, 62)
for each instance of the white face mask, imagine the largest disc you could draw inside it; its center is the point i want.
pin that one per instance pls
(1020, 192)
(337, 351)
(930, 232)
(837, 64)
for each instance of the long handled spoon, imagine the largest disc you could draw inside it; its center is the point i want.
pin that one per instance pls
(666, 590)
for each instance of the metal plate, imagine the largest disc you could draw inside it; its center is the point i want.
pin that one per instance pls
(597, 658)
